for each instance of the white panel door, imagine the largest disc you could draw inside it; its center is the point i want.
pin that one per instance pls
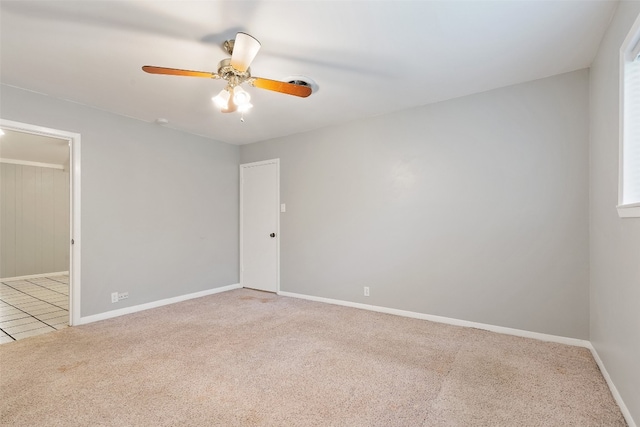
(259, 201)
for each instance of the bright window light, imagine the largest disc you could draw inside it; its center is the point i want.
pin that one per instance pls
(629, 194)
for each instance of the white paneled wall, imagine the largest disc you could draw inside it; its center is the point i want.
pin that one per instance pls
(34, 220)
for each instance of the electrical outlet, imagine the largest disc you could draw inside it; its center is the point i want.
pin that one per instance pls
(123, 295)
(366, 291)
(114, 297)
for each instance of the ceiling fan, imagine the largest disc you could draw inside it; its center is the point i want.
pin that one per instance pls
(236, 71)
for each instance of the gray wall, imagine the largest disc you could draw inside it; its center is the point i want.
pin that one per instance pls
(474, 208)
(159, 207)
(34, 220)
(615, 242)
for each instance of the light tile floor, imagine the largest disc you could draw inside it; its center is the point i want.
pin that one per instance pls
(33, 307)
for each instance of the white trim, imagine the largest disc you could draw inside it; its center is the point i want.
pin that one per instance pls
(154, 304)
(33, 276)
(74, 249)
(74, 211)
(28, 163)
(279, 236)
(632, 39)
(240, 228)
(241, 169)
(446, 320)
(499, 329)
(614, 391)
(631, 210)
(631, 45)
(404, 313)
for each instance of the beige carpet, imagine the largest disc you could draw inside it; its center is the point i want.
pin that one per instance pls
(246, 358)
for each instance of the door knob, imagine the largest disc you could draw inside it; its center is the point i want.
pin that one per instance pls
(272, 234)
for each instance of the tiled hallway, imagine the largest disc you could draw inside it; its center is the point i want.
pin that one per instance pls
(33, 307)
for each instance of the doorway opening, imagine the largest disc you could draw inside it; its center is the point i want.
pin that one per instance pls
(40, 230)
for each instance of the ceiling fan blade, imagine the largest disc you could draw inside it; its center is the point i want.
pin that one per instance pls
(176, 72)
(283, 87)
(245, 48)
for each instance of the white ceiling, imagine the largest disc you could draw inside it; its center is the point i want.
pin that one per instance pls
(368, 57)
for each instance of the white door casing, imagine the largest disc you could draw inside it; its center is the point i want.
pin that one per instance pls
(260, 225)
(74, 209)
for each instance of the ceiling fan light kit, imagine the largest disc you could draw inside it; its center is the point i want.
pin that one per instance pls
(240, 96)
(236, 71)
(244, 50)
(222, 99)
(228, 103)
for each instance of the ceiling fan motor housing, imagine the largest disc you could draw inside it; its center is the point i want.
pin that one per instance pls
(227, 72)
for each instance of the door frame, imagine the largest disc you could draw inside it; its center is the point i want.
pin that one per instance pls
(242, 168)
(74, 205)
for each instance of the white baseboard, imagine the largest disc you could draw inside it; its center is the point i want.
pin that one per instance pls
(447, 320)
(393, 311)
(154, 304)
(487, 327)
(34, 276)
(612, 387)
